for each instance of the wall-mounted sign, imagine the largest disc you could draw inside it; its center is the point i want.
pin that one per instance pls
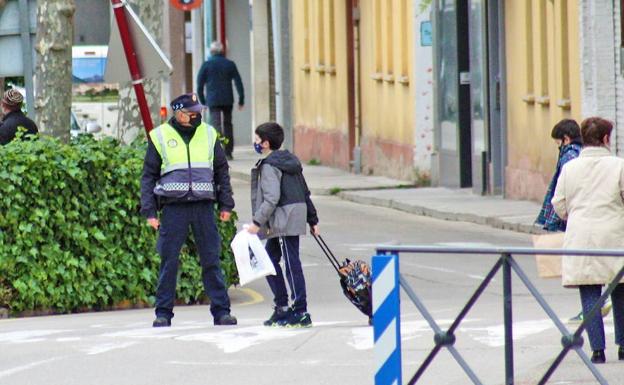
(426, 37)
(186, 5)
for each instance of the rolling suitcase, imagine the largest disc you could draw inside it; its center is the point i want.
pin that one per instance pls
(355, 279)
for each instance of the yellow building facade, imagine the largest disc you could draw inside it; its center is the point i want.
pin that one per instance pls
(352, 84)
(543, 86)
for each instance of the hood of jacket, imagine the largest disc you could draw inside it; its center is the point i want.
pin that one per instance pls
(284, 161)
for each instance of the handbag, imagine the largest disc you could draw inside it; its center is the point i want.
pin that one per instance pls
(548, 266)
(252, 260)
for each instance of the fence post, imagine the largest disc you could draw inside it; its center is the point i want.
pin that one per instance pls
(508, 318)
(386, 319)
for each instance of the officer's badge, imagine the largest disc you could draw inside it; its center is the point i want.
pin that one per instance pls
(172, 143)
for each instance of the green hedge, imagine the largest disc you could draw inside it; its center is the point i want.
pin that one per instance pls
(71, 237)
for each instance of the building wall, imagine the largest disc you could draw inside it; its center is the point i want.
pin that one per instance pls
(319, 68)
(619, 78)
(598, 59)
(543, 64)
(386, 84)
(238, 38)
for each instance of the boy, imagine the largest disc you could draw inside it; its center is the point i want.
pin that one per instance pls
(281, 206)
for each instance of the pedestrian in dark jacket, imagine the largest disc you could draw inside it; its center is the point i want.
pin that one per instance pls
(14, 119)
(567, 135)
(214, 87)
(281, 207)
(184, 173)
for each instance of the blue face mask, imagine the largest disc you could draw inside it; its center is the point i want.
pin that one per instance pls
(258, 148)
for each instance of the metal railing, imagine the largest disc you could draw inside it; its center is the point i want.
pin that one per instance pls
(386, 310)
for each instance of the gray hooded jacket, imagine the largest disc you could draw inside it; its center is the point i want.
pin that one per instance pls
(280, 198)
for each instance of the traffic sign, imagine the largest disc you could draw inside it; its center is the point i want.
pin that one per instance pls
(186, 5)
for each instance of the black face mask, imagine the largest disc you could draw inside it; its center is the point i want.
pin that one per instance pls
(196, 121)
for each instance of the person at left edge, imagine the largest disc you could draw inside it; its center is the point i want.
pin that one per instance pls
(185, 173)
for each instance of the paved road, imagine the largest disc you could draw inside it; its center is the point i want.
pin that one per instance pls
(121, 348)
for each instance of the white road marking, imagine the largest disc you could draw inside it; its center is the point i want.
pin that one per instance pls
(154, 333)
(466, 244)
(68, 339)
(445, 270)
(494, 336)
(28, 335)
(6, 373)
(362, 337)
(107, 347)
(237, 339)
(278, 364)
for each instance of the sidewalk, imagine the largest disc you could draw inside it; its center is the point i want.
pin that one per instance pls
(436, 202)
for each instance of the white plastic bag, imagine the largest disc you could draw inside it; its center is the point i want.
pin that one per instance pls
(252, 260)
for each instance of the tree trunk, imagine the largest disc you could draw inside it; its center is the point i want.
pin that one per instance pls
(129, 122)
(55, 35)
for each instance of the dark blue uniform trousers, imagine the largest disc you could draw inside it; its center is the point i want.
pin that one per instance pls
(174, 227)
(287, 248)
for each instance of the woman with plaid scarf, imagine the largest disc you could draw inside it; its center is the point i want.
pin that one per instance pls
(567, 134)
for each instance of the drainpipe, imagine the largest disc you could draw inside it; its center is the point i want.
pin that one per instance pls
(222, 34)
(208, 27)
(353, 85)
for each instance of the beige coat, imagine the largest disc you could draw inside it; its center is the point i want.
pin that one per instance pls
(589, 195)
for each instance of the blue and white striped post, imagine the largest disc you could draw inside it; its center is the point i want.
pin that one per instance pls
(386, 319)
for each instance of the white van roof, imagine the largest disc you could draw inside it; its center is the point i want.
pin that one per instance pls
(85, 51)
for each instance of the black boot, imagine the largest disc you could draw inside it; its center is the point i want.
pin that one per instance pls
(598, 357)
(226, 320)
(160, 322)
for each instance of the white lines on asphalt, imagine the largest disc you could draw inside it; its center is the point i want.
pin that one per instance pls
(26, 336)
(278, 364)
(234, 340)
(466, 244)
(68, 339)
(107, 347)
(149, 332)
(362, 337)
(8, 372)
(361, 248)
(494, 336)
(445, 270)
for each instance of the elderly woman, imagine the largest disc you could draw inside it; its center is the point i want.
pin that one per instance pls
(589, 195)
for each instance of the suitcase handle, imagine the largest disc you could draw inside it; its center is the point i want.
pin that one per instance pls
(328, 253)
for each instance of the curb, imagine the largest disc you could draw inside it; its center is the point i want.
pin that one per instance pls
(494, 222)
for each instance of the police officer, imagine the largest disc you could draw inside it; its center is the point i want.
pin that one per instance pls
(185, 172)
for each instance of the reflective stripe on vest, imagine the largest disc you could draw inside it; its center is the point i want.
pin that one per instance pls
(174, 152)
(185, 167)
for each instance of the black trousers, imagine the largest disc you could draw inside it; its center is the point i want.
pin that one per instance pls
(174, 227)
(287, 248)
(221, 119)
